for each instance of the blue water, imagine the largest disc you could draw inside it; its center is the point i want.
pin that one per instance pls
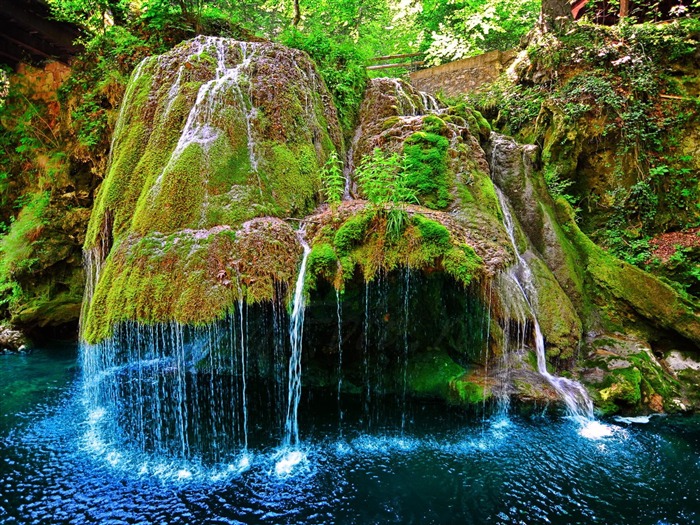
(446, 467)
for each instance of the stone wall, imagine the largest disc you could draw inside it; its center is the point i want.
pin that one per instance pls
(463, 76)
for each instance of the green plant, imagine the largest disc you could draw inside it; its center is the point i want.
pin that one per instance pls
(557, 186)
(382, 179)
(333, 180)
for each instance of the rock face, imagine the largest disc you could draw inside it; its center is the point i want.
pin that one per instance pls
(12, 341)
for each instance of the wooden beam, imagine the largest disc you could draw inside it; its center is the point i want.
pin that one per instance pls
(576, 8)
(394, 57)
(10, 53)
(34, 44)
(624, 9)
(676, 97)
(389, 66)
(24, 15)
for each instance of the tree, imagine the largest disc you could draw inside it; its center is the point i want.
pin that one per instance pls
(555, 14)
(471, 27)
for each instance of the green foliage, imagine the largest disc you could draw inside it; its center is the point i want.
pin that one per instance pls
(341, 63)
(382, 179)
(681, 270)
(4, 87)
(333, 180)
(599, 106)
(558, 187)
(19, 247)
(470, 27)
(396, 221)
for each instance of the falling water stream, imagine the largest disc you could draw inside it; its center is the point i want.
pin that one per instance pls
(291, 454)
(574, 395)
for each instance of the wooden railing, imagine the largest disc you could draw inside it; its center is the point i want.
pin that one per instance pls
(411, 65)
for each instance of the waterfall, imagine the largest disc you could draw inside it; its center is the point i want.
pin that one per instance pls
(339, 314)
(404, 378)
(574, 395)
(243, 355)
(198, 128)
(296, 328)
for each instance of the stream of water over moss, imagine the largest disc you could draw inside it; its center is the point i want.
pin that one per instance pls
(446, 466)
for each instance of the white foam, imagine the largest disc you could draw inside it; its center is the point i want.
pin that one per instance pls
(286, 465)
(183, 474)
(596, 430)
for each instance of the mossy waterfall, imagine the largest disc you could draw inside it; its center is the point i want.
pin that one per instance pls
(223, 283)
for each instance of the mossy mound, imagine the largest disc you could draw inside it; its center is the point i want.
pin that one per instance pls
(216, 132)
(193, 276)
(212, 134)
(359, 237)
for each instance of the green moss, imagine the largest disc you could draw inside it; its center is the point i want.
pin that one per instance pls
(425, 165)
(468, 392)
(462, 263)
(352, 232)
(476, 122)
(229, 165)
(364, 240)
(323, 262)
(431, 374)
(293, 178)
(432, 231)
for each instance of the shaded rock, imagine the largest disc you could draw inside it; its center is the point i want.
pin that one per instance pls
(13, 341)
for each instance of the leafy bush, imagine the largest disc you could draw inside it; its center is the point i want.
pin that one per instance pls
(470, 28)
(382, 179)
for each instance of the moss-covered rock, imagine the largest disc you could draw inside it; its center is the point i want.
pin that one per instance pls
(212, 134)
(624, 376)
(433, 373)
(354, 236)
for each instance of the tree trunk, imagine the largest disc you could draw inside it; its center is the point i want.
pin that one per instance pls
(624, 8)
(555, 14)
(297, 14)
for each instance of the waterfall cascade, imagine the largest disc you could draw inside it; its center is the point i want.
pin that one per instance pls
(219, 391)
(296, 332)
(574, 395)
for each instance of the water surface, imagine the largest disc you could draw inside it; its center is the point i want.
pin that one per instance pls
(445, 467)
